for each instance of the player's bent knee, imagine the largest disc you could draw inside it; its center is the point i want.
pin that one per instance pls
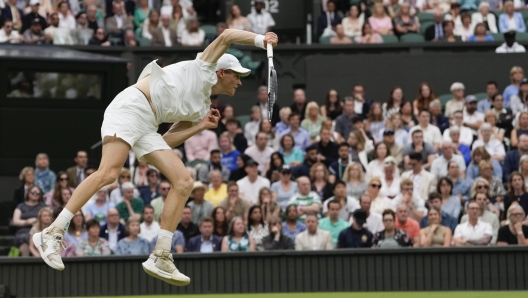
(184, 186)
(105, 177)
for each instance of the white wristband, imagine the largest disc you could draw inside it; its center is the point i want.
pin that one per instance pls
(259, 41)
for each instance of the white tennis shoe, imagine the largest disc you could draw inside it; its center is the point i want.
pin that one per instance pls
(49, 243)
(160, 264)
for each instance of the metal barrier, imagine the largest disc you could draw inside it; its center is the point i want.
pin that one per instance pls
(418, 269)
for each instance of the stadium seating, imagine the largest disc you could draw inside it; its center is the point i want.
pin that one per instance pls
(412, 37)
(444, 98)
(389, 38)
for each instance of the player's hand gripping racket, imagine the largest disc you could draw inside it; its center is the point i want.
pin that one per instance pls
(272, 82)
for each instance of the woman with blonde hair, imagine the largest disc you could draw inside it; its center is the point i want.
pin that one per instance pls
(378, 204)
(435, 235)
(355, 180)
(27, 178)
(236, 20)
(404, 21)
(359, 147)
(478, 154)
(116, 196)
(44, 219)
(319, 177)
(375, 123)
(379, 21)
(521, 128)
(497, 191)
(312, 119)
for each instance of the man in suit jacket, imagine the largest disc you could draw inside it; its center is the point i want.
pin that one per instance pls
(424, 182)
(328, 19)
(164, 36)
(262, 96)
(436, 30)
(313, 238)
(113, 231)
(119, 23)
(206, 242)
(76, 174)
(12, 12)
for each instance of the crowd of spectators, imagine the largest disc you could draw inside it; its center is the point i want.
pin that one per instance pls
(350, 173)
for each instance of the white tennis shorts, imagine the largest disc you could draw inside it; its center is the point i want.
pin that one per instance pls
(130, 118)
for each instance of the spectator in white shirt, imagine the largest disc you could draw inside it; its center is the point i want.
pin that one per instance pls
(250, 185)
(466, 134)
(260, 21)
(149, 228)
(494, 147)
(474, 231)
(431, 133)
(510, 45)
(57, 33)
(260, 151)
(439, 166)
(67, 21)
(8, 35)
(472, 118)
(457, 103)
(374, 220)
(252, 127)
(193, 35)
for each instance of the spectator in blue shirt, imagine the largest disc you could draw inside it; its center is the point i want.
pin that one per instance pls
(435, 199)
(150, 191)
(480, 153)
(132, 244)
(291, 155)
(301, 136)
(516, 76)
(292, 227)
(460, 148)
(461, 186)
(284, 124)
(484, 105)
(356, 236)
(206, 242)
(229, 154)
(177, 242)
(44, 177)
(480, 34)
(468, 5)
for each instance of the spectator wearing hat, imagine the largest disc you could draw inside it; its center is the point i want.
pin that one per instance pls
(494, 147)
(475, 231)
(13, 13)
(343, 122)
(437, 119)
(423, 182)
(252, 183)
(35, 10)
(465, 133)
(337, 168)
(395, 150)
(472, 118)
(431, 133)
(305, 199)
(314, 238)
(511, 20)
(215, 163)
(199, 206)
(34, 35)
(510, 45)
(234, 204)
(333, 222)
(356, 236)
(188, 228)
(425, 150)
(347, 204)
(439, 166)
(435, 200)
(391, 237)
(218, 190)
(206, 242)
(260, 20)
(8, 35)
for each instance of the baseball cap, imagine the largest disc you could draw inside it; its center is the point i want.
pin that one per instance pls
(360, 216)
(285, 169)
(35, 21)
(389, 161)
(470, 98)
(524, 81)
(230, 62)
(251, 163)
(388, 132)
(34, 2)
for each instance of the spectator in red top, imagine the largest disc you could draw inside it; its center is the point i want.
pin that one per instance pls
(409, 225)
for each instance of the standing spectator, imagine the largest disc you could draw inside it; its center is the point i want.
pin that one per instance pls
(343, 122)
(431, 133)
(25, 215)
(450, 203)
(76, 173)
(424, 182)
(435, 200)
(492, 88)
(391, 237)
(215, 164)
(405, 22)
(355, 180)
(333, 223)
(44, 177)
(424, 98)
(149, 228)
(260, 20)
(439, 166)
(457, 103)
(276, 240)
(436, 30)
(94, 245)
(516, 192)
(461, 187)
(380, 22)
(285, 188)
(305, 200)
(44, 219)
(474, 231)
(199, 206)
(516, 76)
(312, 120)
(494, 147)
(237, 239)
(436, 234)
(514, 232)
(150, 191)
(485, 215)
(511, 20)
(407, 224)
(8, 35)
(234, 204)
(66, 19)
(256, 227)
(132, 244)
(292, 226)
(193, 35)
(27, 178)
(418, 147)
(188, 228)
(130, 206)
(113, 231)
(252, 183)
(511, 161)
(347, 204)
(34, 35)
(466, 134)
(158, 203)
(76, 230)
(356, 236)
(119, 22)
(236, 20)
(328, 20)
(206, 242)
(320, 183)
(300, 135)
(260, 152)
(313, 238)
(200, 145)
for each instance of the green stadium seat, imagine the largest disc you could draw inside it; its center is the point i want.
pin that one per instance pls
(444, 98)
(196, 163)
(524, 13)
(425, 16)
(325, 39)
(481, 96)
(412, 37)
(143, 42)
(498, 37)
(210, 32)
(521, 36)
(389, 38)
(424, 25)
(243, 119)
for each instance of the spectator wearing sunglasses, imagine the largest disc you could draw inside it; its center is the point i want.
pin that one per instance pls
(378, 203)
(515, 232)
(25, 216)
(8, 35)
(53, 198)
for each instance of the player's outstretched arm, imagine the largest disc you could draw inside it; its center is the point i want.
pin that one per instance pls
(219, 46)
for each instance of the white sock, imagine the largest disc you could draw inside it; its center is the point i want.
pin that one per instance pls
(63, 220)
(164, 240)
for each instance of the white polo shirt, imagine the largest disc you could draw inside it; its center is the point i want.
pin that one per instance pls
(493, 147)
(466, 136)
(439, 165)
(431, 134)
(149, 232)
(259, 22)
(262, 157)
(249, 191)
(472, 119)
(471, 233)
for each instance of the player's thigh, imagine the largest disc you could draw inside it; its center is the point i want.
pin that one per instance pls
(115, 153)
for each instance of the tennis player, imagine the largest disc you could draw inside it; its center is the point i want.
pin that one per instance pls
(179, 94)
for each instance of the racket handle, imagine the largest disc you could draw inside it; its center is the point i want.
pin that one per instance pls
(269, 47)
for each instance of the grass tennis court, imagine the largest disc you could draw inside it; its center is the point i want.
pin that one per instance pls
(352, 295)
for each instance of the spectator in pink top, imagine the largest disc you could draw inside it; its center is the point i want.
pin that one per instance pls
(367, 36)
(199, 145)
(380, 22)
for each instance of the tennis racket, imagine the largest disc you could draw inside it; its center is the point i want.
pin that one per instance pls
(272, 82)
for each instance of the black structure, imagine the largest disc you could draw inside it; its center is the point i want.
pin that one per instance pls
(420, 269)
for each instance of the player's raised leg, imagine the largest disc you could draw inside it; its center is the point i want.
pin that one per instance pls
(160, 263)
(49, 241)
